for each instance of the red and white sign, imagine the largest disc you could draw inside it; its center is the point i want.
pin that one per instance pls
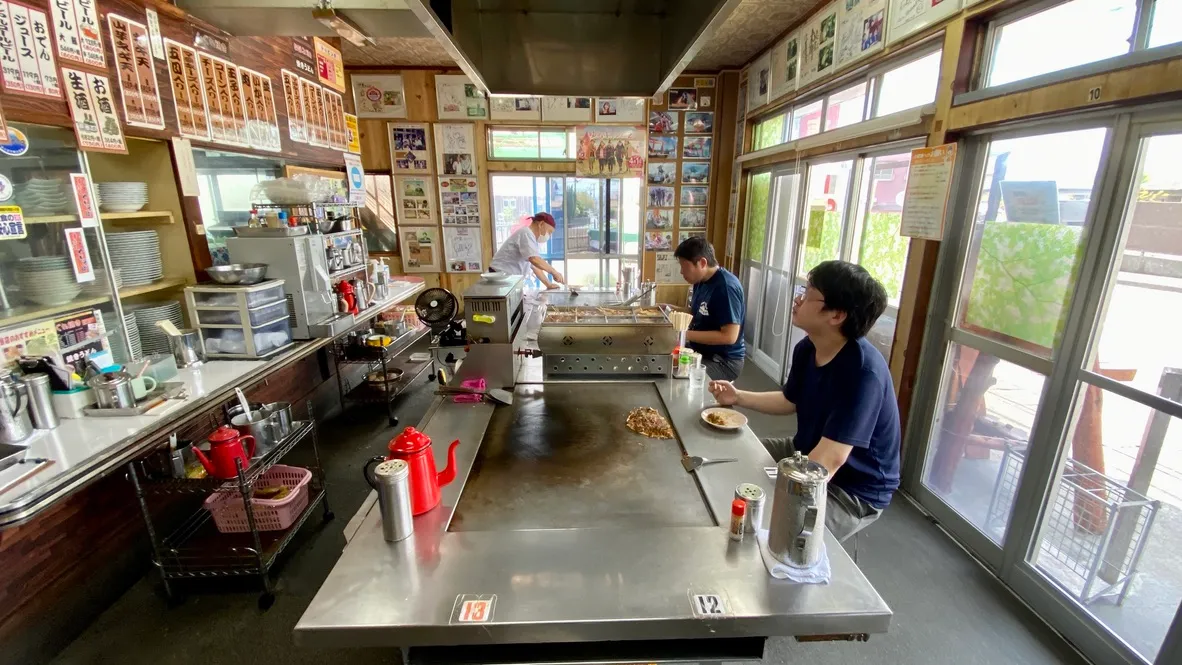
(84, 199)
(92, 106)
(79, 255)
(25, 51)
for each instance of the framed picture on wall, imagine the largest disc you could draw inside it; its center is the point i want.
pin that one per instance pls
(415, 200)
(410, 147)
(421, 251)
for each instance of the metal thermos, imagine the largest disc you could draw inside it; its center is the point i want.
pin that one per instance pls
(40, 401)
(393, 478)
(753, 496)
(797, 529)
(14, 413)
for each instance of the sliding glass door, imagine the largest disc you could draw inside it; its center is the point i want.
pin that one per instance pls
(1048, 436)
(776, 301)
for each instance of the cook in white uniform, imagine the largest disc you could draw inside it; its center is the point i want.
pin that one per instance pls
(520, 254)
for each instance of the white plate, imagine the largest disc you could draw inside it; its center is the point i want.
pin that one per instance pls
(735, 420)
(495, 277)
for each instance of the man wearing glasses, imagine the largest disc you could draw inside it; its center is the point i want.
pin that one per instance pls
(840, 389)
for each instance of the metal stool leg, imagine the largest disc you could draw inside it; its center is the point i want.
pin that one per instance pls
(856, 537)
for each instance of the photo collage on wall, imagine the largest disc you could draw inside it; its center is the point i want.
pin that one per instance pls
(678, 173)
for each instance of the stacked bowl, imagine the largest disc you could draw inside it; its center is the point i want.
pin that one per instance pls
(99, 287)
(47, 280)
(136, 254)
(122, 354)
(152, 338)
(41, 197)
(122, 196)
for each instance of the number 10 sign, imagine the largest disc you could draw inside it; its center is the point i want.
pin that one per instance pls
(474, 608)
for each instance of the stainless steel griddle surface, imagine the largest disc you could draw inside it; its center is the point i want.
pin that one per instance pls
(561, 457)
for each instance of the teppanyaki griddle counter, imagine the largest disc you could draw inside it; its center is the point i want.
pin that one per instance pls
(561, 457)
(619, 577)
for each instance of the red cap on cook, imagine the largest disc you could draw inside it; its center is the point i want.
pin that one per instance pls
(545, 217)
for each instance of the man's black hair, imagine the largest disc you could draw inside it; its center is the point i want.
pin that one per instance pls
(694, 248)
(848, 287)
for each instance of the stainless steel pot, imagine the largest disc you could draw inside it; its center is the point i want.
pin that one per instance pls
(187, 348)
(113, 390)
(797, 529)
(15, 425)
(281, 419)
(268, 426)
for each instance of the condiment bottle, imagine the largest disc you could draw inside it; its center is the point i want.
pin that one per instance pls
(253, 222)
(738, 508)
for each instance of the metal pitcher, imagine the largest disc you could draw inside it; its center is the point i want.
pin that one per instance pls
(797, 529)
(15, 425)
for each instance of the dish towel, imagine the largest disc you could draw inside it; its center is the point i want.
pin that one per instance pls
(818, 573)
(471, 384)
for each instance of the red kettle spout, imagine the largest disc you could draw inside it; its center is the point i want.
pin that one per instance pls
(203, 459)
(449, 472)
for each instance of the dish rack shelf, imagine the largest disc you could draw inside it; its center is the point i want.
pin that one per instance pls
(381, 359)
(196, 549)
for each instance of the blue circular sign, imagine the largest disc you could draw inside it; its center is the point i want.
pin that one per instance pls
(17, 143)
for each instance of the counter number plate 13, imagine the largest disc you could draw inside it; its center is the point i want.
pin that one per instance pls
(474, 608)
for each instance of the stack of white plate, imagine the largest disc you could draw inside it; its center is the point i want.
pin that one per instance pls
(122, 354)
(41, 197)
(47, 280)
(137, 256)
(152, 338)
(99, 286)
(122, 196)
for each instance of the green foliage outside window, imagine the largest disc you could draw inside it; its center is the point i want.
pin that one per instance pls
(757, 197)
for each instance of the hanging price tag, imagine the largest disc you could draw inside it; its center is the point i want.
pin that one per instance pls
(474, 608)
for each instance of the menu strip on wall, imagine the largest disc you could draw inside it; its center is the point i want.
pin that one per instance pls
(270, 115)
(137, 75)
(297, 130)
(91, 106)
(217, 119)
(77, 34)
(198, 96)
(28, 62)
(188, 98)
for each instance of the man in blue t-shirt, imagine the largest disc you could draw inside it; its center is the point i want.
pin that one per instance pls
(840, 389)
(718, 307)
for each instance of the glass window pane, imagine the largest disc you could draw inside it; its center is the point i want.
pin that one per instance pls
(377, 217)
(880, 249)
(513, 144)
(806, 120)
(1073, 33)
(846, 107)
(828, 189)
(783, 234)
(1028, 236)
(981, 429)
(914, 84)
(512, 202)
(1167, 23)
(1149, 277)
(629, 242)
(753, 279)
(769, 132)
(553, 145)
(1112, 529)
(758, 189)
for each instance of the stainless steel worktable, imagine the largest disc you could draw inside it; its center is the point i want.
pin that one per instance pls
(584, 531)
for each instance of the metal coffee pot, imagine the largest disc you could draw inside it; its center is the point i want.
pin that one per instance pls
(797, 529)
(15, 425)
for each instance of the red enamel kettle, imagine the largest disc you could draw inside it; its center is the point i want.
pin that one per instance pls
(225, 446)
(414, 448)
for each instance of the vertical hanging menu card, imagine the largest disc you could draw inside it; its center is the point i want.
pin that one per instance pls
(25, 51)
(296, 129)
(92, 107)
(76, 32)
(137, 76)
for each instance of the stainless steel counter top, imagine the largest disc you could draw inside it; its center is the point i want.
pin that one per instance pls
(621, 580)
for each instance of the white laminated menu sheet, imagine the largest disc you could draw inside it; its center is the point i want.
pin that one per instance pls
(926, 202)
(92, 106)
(77, 35)
(137, 74)
(297, 128)
(461, 246)
(26, 51)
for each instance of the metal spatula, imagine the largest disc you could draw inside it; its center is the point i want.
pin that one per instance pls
(498, 395)
(694, 462)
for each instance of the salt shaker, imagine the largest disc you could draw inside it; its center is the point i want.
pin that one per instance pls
(393, 478)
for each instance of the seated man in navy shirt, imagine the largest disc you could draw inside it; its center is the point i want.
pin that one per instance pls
(840, 389)
(718, 307)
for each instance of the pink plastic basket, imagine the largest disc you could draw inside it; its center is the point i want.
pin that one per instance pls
(229, 514)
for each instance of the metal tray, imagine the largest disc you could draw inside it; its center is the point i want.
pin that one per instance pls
(141, 406)
(270, 232)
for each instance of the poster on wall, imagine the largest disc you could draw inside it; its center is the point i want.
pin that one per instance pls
(662, 147)
(663, 122)
(699, 122)
(76, 32)
(420, 249)
(92, 106)
(516, 108)
(926, 200)
(566, 109)
(691, 218)
(379, 96)
(817, 44)
(683, 99)
(610, 151)
(784, 66)
(410, 147)
(861, 29)
(35, 339)
(415, 198)
(330, 67)
(461, 245)
(457, 98)
(759, 78)
(658, 240)
(455, 148)
(906, 17)
(658, 218)
(28, 62)
(619, 109)
(137, 73)
(668, 269)
(459, 201)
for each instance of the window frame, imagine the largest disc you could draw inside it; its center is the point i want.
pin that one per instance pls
(538, 130)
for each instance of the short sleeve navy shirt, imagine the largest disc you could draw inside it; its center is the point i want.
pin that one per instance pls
(850, 400)
(717, 302)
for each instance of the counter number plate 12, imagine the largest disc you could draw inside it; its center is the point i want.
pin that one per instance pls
(474, 608)
(12, 223)
(707, 605)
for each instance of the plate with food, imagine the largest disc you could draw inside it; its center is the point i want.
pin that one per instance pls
(722, 418)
